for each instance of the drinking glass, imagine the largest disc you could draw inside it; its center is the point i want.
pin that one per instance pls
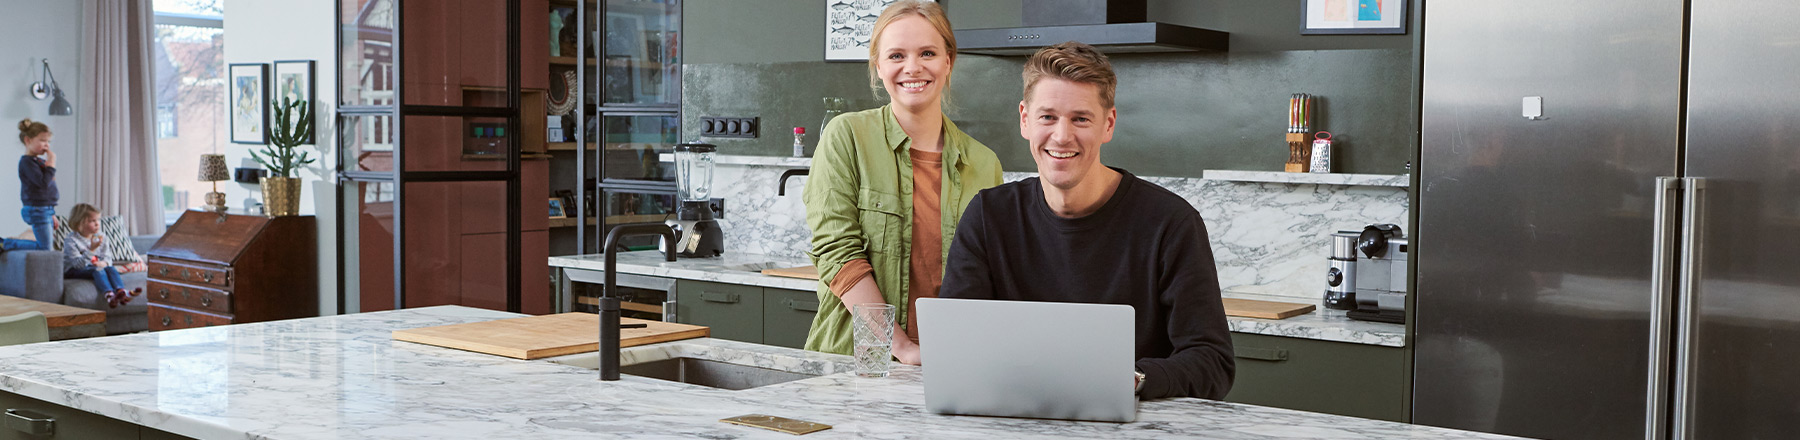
(873, 327)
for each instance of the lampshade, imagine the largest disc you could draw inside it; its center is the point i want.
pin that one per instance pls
(59, 106)
(212, 168)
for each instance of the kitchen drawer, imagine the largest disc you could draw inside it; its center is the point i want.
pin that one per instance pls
(170, 318)
(788, 316)
(197, 298)
(1341, 378)
(733, 311)
(190, 273)
(70, 423)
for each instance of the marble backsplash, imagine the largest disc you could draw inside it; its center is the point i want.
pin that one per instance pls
(1267, 238)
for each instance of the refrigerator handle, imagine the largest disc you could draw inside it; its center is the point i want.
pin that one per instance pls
(1687, 304)
(1662, 294)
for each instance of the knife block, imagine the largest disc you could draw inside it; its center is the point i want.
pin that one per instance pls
(1299, 153)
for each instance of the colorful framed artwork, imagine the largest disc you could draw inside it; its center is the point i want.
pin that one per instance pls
(294, 81)
(248, 103)
(848, 28)
(556, 208)
(1364, 17)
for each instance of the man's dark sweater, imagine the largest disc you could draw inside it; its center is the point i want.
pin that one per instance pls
(1145, 247)
(38, 182)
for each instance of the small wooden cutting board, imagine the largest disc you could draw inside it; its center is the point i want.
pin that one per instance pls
(1250, 308)
(806, 272)
(535, 337)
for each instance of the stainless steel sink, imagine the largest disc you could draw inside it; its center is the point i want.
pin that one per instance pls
(696, 371)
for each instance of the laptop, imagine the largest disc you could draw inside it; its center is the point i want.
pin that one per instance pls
(1041, 360)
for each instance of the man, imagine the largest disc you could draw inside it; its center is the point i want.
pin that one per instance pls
(1084, 232)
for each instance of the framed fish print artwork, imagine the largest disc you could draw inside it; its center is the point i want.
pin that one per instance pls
(848, 27)
(248, 103)
(1326, 17)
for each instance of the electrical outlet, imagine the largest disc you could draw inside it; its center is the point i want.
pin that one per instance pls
(711, 126)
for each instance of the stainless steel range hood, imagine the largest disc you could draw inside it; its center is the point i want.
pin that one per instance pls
(1115, 26)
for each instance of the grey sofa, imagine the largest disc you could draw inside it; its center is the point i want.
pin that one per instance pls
(38, 276)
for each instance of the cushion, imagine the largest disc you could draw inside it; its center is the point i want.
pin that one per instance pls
(117, 241)
(58, 231)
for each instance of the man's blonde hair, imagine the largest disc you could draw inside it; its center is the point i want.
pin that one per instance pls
(1074, 62)
(931, 12)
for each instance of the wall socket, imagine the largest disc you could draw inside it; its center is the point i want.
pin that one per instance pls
(711, 126)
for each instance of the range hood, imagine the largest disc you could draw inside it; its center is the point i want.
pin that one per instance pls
(1112, 26)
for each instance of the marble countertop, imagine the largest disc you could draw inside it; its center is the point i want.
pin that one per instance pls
(734, 268)
(343, 377)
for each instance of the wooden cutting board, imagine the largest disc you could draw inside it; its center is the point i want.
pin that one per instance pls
(807, 272)
(535, 337)
(1250, 308)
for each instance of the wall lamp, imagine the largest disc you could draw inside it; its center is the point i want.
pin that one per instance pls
(45, 87)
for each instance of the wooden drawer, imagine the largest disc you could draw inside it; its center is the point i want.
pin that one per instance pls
(190, 273)
(788, 316)
(69, 423)
(170, 318)
(1321, 376)
(197, 298)
(732, 311)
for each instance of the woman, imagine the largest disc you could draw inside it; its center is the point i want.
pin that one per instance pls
(888, 185)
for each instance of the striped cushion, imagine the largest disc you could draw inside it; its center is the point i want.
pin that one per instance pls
(58, 232)
(117, 241)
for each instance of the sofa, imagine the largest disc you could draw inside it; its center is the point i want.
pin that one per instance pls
(38, 276)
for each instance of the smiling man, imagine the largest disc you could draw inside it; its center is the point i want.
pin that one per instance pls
(1088, 233)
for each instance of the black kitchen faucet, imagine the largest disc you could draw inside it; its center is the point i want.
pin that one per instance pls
(781, 189)
(609, 301)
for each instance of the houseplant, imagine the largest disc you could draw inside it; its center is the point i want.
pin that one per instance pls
(293, 127)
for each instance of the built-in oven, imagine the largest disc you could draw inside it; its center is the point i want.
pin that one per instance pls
(641, 297)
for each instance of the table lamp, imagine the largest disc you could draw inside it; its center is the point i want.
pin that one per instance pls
(212, 169)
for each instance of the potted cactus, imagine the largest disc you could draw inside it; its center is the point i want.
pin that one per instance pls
(293, 127)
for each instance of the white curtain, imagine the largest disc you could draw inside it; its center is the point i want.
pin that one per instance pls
(117, 110)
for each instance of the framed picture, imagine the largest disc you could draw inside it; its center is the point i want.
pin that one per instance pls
(848, 28)
(294, 81)
(1326, 17)
(556, 208)
(249, 103)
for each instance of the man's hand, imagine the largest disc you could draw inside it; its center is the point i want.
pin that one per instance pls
(906, 350)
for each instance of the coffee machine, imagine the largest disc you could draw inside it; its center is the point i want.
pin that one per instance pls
(1367, 277)
(697, 232)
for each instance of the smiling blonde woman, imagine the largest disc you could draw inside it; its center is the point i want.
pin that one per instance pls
(888, 185)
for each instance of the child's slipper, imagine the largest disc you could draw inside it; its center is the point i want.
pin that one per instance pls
(112, 300)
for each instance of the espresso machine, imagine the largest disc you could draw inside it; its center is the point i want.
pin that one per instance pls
(697, 232)
(1367, 277)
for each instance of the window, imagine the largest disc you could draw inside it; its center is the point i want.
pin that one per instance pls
(189, 60)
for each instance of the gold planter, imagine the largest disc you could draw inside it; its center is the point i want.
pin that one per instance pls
(281, 196)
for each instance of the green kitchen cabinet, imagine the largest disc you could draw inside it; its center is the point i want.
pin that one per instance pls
(1341, 378)
(787, 316)
(732, 311)
(66, 422)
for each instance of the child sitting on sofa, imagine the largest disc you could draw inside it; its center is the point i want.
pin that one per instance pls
(85, 256)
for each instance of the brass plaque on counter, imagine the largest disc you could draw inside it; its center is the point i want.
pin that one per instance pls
(774, 423)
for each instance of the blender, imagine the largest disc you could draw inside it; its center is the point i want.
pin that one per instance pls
(697, 233)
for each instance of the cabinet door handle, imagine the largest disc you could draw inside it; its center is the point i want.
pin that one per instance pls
(189, 319)
(805, 306)
(206, 276)
(185, 274)
(30, 422)
(727, 298)
(163, 292)
(205, 301)
(163, 270)
(1261, 354)
(166, 321)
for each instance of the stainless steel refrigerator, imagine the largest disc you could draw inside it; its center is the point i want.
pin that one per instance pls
(1622, 261)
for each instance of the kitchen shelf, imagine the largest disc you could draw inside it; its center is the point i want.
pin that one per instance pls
(569, 221)
(525, 156)
(566, 146)
(610, 146)
(616, 220)
(1388, 180)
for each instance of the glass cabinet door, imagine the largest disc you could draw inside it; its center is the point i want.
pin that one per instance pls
(640, 51)
(635, 146)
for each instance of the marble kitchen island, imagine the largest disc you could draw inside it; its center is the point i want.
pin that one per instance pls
(343, 377)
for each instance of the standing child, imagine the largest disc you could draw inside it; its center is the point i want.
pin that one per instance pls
(37, 185)
(85, 256)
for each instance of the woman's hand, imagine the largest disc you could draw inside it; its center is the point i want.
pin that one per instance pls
(906, 350)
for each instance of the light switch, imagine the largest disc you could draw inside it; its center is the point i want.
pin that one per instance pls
(1533, 108)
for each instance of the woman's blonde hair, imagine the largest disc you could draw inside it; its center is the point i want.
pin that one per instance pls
(932, 13)
(81, 212)
(29, 129)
